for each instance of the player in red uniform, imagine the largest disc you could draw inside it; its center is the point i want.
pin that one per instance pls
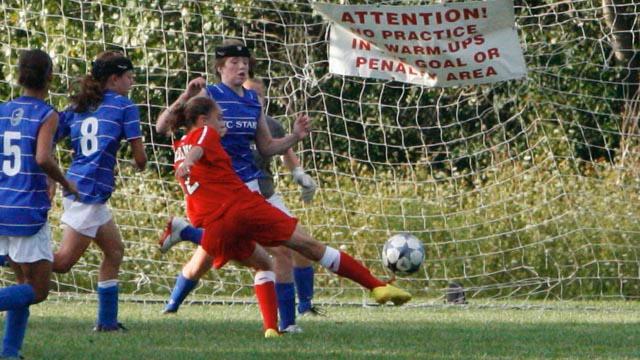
(238, 223)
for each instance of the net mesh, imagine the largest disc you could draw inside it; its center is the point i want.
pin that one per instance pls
(520, 190)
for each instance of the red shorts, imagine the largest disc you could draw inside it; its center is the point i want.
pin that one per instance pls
(233, 234)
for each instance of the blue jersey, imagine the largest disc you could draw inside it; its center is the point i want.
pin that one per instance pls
(241, 116)
(95, 140)
(24, 202)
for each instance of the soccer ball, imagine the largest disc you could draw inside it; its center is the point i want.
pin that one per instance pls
(403, 254)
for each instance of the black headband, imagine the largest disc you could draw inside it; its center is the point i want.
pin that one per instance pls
(232, 51)
(103, 69)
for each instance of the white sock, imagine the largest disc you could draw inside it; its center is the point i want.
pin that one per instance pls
(108, 283)
(263, 277)
(331, 259)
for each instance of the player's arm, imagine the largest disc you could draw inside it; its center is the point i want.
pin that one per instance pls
(303, 179)
(191, 158)
(168, 117)
(44, 154)
(137, 151)
(268, 146)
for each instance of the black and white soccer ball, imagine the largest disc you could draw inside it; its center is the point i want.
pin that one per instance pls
(403, 254)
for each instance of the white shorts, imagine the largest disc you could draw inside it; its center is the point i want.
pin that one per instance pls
(85, 218)
(28, 249)
(253, 185)
(278, 203)
(275, 200)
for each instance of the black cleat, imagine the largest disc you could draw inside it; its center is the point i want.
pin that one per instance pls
(103, 328)
(314, 311)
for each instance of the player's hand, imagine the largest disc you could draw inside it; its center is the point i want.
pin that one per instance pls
(70, 188)
(302, 126)
(305, 181)
(183, 171)
(195, 86)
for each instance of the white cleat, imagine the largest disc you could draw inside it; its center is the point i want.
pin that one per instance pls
(171, 234)
(292, 329)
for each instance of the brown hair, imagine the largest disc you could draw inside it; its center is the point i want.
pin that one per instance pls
(220, 62)
(92, 89)
(189, 112)
(34, 69)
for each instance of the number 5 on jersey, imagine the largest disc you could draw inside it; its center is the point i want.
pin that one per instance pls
(89, 136)
(11, 147)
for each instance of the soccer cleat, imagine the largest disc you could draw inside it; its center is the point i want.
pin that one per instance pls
(314, 311)
(103, 328)
(171, 234)
(382, 294)
(271, 333)
(292, 329)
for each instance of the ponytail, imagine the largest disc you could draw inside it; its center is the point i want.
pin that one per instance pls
(89, 96)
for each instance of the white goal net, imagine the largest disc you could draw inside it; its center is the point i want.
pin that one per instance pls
(522, 190)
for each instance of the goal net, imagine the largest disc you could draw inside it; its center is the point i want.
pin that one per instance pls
(523, 190)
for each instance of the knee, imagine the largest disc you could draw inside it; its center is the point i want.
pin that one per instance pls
(41, 294)
(264, 264)
(40, 297)
(116, 253)
(62, 264)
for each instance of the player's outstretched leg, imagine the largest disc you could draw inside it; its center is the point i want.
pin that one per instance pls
(344, 265)
(188, 278)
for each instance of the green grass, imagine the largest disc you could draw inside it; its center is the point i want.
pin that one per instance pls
(62, 330)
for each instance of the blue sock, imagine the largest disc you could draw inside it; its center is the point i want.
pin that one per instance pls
(286, 304)
(192, 234)
(16, 297)
(108, 304)
(181, 289)
(304, 285)
(15, 327)
(3, 260)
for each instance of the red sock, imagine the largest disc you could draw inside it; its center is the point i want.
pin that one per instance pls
(266, 294)
(354, 270)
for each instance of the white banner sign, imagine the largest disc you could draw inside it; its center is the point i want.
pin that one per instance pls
(436, 45)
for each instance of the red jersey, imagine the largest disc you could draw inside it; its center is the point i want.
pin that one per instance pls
(213, 184)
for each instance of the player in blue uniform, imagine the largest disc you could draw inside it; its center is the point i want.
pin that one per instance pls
(27, 128)
(100, 117)
(246, 125)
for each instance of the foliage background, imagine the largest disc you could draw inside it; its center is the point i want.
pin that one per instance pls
(519, 190)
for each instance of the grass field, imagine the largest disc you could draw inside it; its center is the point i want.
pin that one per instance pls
(62, 330)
